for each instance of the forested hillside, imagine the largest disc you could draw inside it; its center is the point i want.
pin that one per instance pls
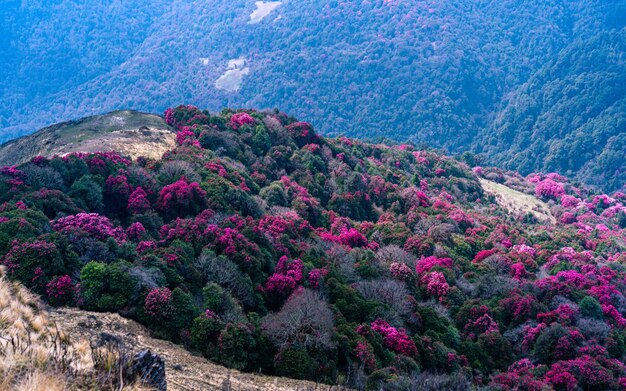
(569, 117)
(263, 246)
(442, 73)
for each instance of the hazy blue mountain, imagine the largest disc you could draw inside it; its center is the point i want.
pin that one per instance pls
(441, 73)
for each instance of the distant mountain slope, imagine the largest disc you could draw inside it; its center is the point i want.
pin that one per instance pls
(569, 117)
(427, 71)
(129, 132)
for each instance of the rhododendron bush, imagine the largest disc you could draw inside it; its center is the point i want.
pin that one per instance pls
(261, 245)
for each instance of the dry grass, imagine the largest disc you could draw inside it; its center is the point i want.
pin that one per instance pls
(517, 202)
(36, 355)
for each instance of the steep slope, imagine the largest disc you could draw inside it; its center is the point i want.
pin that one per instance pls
(185, 371)
(427, 71)
(569, 117)
(265, 247)
(38, 355)
(48, 349)
(129, 132)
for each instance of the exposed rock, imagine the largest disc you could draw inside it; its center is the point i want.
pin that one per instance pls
(150, 369)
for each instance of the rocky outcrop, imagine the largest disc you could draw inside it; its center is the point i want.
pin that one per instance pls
(149, 368)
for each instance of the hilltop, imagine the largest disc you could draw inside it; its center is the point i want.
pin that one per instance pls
(129, 132)
(265, 247)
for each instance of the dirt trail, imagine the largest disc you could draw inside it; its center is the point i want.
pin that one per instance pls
(184, 371)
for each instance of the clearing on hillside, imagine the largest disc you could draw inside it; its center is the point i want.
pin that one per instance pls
(517, 202)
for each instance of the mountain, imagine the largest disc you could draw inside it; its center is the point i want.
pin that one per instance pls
(265, 247)
(129, 132)
(569, 116)
(447, 74)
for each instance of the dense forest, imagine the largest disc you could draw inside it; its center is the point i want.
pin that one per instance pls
(533, 85)
(266, 247)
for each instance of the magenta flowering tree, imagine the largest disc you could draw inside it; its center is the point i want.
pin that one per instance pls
(145, 246)
(233, 244)
(287, 276)
(33, 263)
(89, 224)
(400, 271)
(61, 290)
(365, 354)
(424, 265)
(584, 371)
(302, 133)
(240, 119)
(11, 182)
(118, 186)
(315, 277)
(347, 236)
(181, 198)
(476, 320)
(549, 189)
(435, 284)
(135, 231)
(169, 116)
(138, 201)
(159, 304)
(187, 137)
(395, 339)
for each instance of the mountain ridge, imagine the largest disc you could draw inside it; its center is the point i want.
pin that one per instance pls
(265, 247)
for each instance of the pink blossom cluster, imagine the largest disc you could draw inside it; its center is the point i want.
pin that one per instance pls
(231, 242)
(613, 314)
(135, 231)
(138, 201)
(436, 284)
(287, 275)
(315, 276)
(564, 315)
(400, 271)
(118, 185)
(15, 177)
(350, 237)
(424, 265)
(479, 322)
(180, 196)
(240, 119)
(365, 354)
(158, 303)
(187, 137)
(395, 339)
(483, 254)
(145, 246)
(92, 224)
(585, 371)
(20, 250)
(302, 133)
(549, 189)
(60, 290)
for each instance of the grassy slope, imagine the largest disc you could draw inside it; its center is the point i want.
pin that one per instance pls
(517, 202)
(130, 132)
